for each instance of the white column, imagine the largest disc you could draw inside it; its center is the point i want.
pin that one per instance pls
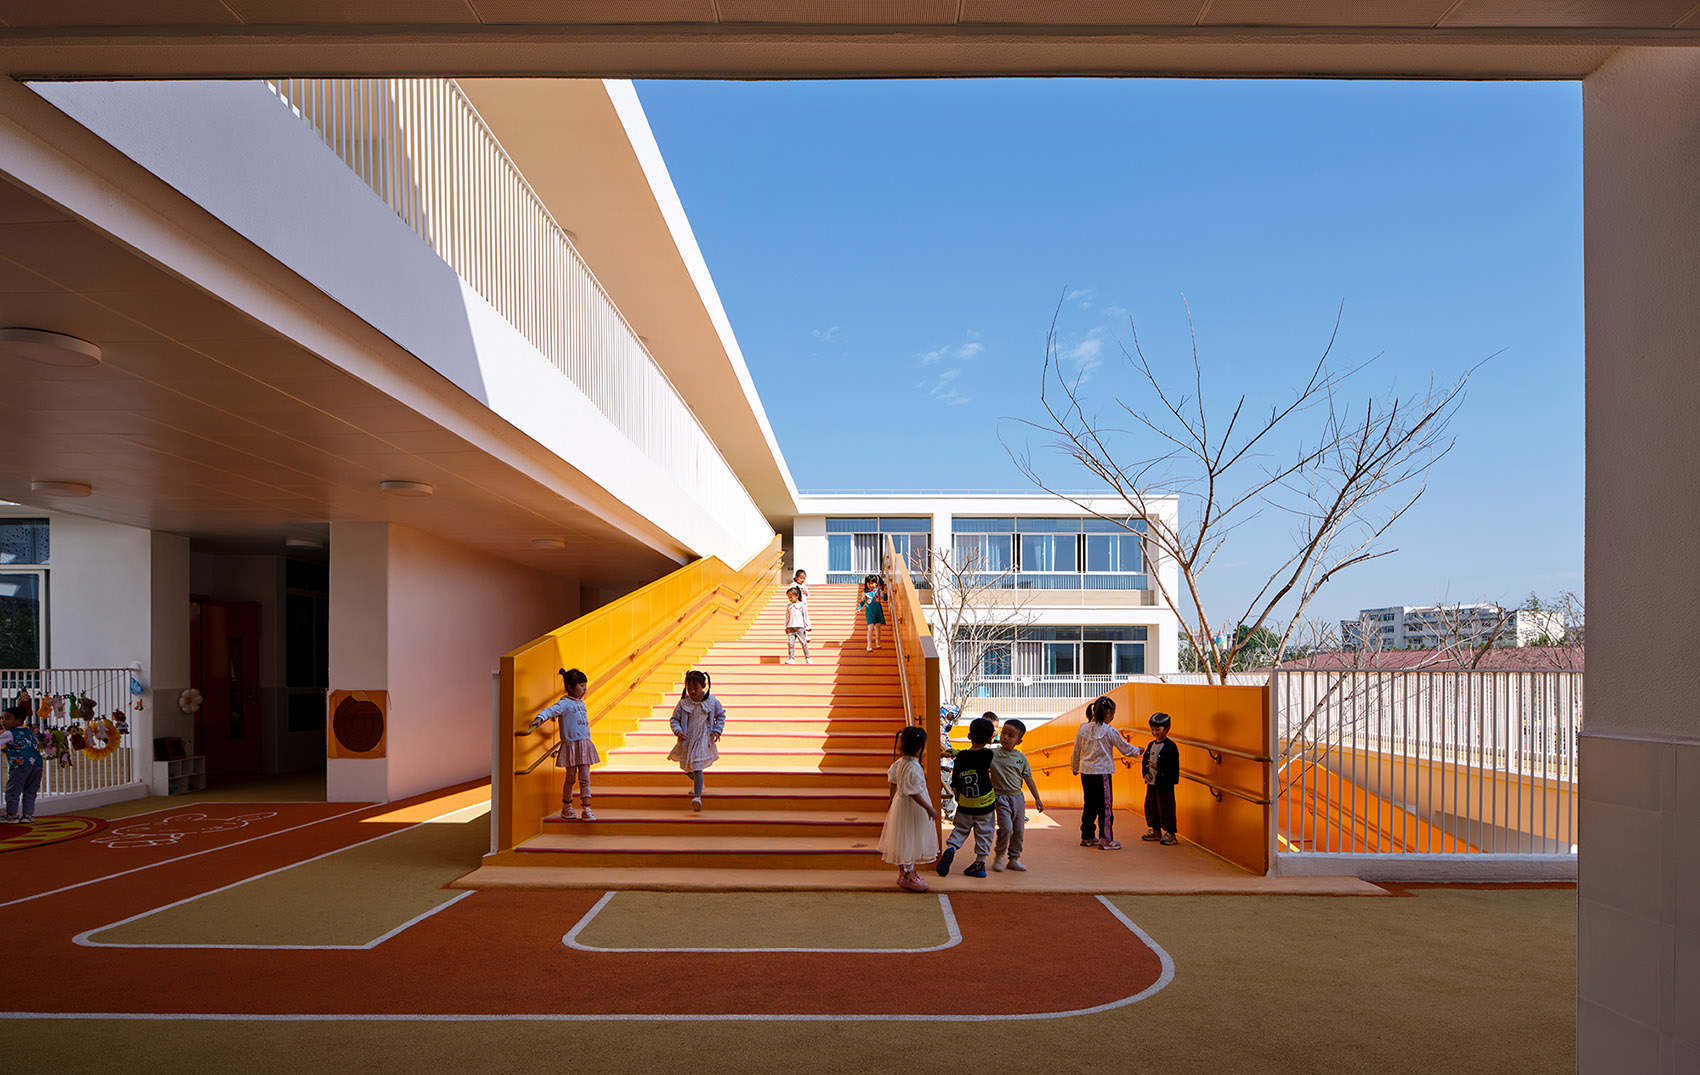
(359, 646)
(1638, 940)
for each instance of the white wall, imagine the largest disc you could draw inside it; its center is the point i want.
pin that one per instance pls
(119, 596)
(428, 621)
(1638, 919)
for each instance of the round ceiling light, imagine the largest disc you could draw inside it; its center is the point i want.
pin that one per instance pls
(548, 543)
(401, 488)
(62, 488)
(302, 543)
(48, 348)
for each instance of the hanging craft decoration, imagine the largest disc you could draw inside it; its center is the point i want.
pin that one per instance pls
(84, 711)
(102, 739)
(189, 701)
(55, 746)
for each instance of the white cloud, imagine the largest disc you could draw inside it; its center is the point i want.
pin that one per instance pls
(1082, 297)
(1084, 355)
(831, 335)
(963, 351)
(943, 390)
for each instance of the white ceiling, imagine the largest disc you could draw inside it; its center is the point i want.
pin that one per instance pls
(201, 421)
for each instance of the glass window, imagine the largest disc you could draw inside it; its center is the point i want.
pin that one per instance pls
(1113, 552)
(983, 552)
(1115, 634)
(1061, 658)
(1049, 634)
(852, 526)
(23, 541)
(23, 632)
(1112, 526)
(996, 661)
(838, 552)
(982, 526)
(1048, 552)
(1129, 658)
(1047, 526)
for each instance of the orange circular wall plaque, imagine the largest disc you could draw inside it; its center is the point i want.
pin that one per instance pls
(357, 724)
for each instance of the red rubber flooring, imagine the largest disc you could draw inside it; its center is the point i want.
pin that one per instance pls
(500, 953)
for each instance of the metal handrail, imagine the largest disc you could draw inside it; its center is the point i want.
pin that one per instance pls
(1218, 790)
(1212, 749)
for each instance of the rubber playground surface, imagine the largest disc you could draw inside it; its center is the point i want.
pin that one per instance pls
(326, 938)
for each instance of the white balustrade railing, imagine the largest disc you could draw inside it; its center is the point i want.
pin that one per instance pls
(109, 691)
(1427, 762)
(422, 147)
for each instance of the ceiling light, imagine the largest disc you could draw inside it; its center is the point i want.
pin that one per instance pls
(62, 488)
(48, 348)
(401, 488)
(302, 543)
(548, 543)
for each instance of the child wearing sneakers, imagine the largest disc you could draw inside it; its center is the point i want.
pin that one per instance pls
(23, 766)
(975, 801)
(1162, 768)
(1009, 772)
(796, 625)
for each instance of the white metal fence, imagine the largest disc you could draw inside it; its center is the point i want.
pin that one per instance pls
(422, 147)
(108, 689)
(1427, 762)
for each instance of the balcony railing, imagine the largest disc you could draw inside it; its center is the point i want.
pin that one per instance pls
(423, 148)
(1426, 762)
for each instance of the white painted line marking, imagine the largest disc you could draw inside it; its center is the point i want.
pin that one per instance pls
(1163, 979)
(86, 937)
(190, 855)
(953, 934)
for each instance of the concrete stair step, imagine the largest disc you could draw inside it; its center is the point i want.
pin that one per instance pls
(740, 779)
(740, 852)
(758, 756)
(718, 819)
(738, 738)
(820, 798)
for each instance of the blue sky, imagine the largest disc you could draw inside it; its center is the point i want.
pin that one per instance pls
(891, 255)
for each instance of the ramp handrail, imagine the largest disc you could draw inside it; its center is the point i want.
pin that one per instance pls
(618, 646)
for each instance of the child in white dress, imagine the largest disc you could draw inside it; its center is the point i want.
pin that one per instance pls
(697, 722)
(911, 831)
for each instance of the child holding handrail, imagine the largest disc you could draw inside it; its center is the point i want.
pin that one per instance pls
(577, 753)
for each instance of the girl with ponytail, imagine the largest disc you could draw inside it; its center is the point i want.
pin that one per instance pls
(698, 720)
(577, 753)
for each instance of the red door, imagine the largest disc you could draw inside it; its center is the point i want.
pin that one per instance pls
(230, 686)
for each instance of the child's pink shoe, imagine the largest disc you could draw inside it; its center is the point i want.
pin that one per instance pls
(912, 881)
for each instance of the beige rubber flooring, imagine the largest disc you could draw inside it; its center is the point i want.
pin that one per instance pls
(1055, 863)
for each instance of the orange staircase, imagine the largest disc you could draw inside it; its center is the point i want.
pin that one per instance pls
(801, 777)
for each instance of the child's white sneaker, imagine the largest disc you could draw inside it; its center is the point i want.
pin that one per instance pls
(789, 661)
(587, 815)
(696, 805)
(997, 863)
(1017, 865)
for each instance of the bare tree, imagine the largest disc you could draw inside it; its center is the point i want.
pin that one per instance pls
(1343, 471)
(975, 613)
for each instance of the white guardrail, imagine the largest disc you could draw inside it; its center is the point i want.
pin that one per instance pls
(1427, 762)
(422, 147)
(109, 691)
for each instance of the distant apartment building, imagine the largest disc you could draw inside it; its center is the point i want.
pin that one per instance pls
(1434, 626)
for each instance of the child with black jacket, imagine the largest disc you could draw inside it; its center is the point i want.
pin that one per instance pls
(1162, 768)
(976, 803)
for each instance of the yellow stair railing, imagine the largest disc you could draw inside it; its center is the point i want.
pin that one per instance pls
(918, 661)
(625, 648)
